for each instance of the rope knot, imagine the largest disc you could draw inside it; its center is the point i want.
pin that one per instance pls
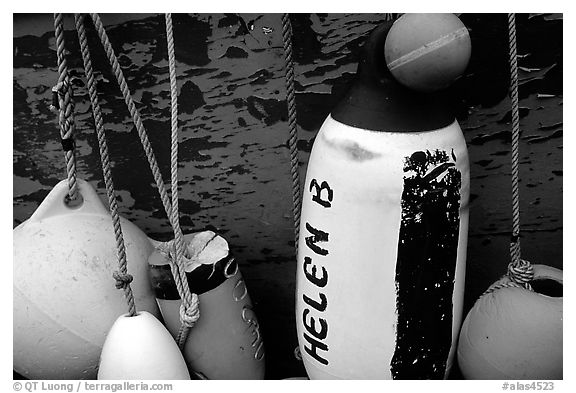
(521, 273)
(189, 315)
(122, 279)
(58, 91)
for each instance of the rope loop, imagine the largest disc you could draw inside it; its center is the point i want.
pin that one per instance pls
(521, 273)
(123, 280)
(190, 315)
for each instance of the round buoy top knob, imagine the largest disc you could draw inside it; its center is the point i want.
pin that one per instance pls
(427, 52)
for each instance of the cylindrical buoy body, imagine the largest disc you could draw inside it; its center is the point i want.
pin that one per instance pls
(383, 234)
(140, 347)
(226, 341)
(514, 333)
(382, 251)
(65, 299)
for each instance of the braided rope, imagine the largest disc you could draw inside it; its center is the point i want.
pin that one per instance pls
(189, 300)
(122, 277)
(519, 270)
(189, 310)
(66, 107)
(117, 70)
(515, 137)
(293, 139)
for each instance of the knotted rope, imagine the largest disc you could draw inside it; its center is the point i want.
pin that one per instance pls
(189, 310)
(65, 104)
(175, 251)
(121, 276)
(293, 136)
(520, 271)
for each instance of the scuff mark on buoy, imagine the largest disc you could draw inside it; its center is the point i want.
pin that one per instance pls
(351, 149)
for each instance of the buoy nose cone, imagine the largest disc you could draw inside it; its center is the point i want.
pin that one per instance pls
(140, 347)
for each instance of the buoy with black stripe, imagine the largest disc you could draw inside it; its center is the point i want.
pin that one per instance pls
(225, 342)
(383, 235)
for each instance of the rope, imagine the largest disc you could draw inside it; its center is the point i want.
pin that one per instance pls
(133, 112)
(64, 94)
(190, 313)
(520, 272)
(293, 139)
(122, 277)
(292, 124)
(189, 310)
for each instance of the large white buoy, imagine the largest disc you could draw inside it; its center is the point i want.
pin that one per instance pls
(140, 347)
(225, 342)
(65, 300)
(383, 235)
(515, 333)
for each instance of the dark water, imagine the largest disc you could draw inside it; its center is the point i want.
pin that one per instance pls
(234, 161)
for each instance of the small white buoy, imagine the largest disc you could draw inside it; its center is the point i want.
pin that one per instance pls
(65, 300)
(140, 347)
(514, 333)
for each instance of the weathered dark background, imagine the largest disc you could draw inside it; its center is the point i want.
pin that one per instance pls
(234, 163)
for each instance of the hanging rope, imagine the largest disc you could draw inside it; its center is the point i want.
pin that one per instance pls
(293, 139)
(64, 100)
(122, 277)
(174, 251)
(520, 271)
(189, 310)
(133, 112)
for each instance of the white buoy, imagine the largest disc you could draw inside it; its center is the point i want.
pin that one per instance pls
(383, 234)
(65, 299)
(226, 342)
(140, 347)
(514, 333)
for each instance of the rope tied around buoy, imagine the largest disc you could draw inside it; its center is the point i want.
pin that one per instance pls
(63, 102)
(189, 309)
(520, 271)
(189, 314)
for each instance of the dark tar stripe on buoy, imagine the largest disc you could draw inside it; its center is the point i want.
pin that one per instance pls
(426, 264)
(202, 279)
